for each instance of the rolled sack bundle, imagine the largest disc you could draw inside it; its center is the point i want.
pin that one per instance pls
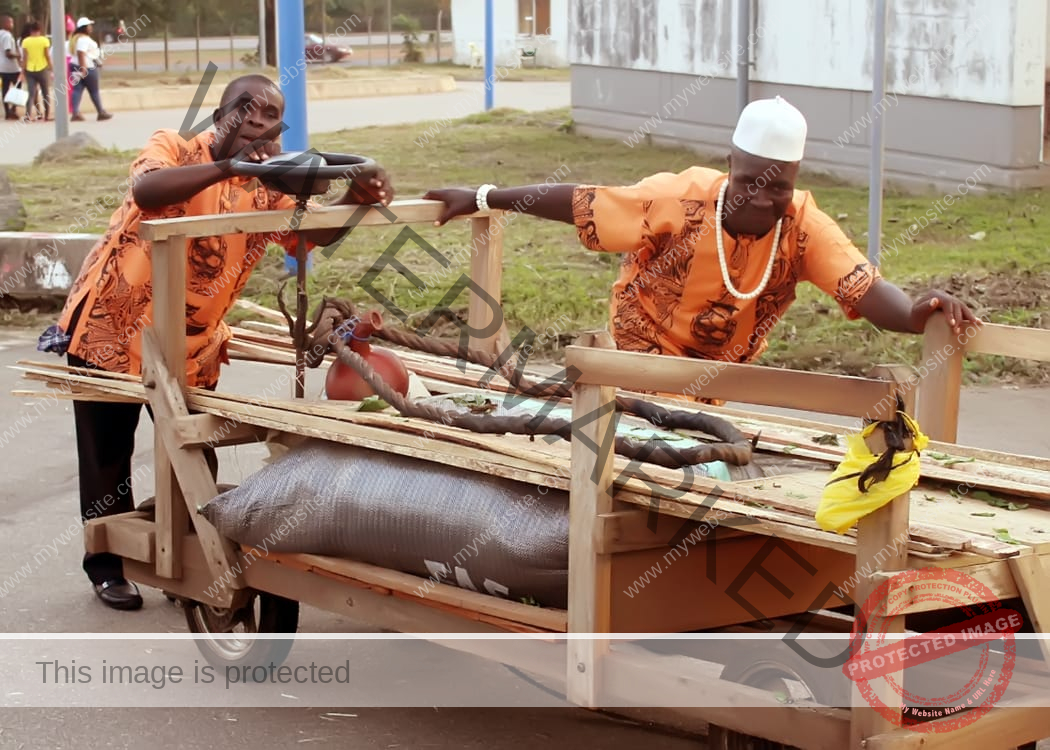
(447, 525)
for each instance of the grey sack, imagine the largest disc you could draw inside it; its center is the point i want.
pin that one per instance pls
(442, 523)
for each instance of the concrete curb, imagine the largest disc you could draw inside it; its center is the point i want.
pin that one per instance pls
(41, 264)
(125, 99)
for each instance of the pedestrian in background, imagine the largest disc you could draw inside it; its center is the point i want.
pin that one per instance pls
(86, 66)
(70, 83)
(36, 61)
(10, 66)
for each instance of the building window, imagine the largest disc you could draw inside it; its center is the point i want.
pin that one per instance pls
(534, 17)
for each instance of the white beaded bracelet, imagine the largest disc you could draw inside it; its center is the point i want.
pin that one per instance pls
(481, 198)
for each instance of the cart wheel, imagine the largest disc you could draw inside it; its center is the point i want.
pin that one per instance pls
(780, 671)
(265, 613)
(770, 666)
(720, 738)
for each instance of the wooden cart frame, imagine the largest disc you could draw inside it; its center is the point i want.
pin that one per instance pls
(609, 542)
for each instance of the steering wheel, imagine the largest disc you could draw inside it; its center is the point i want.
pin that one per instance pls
(303, 173)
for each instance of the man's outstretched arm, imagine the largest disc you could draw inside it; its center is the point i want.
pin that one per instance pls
(553, 202)
(890, 309)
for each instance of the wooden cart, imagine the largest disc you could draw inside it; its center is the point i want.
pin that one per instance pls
(610, 540)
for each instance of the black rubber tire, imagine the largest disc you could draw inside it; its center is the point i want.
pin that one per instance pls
(276, 615)
(772, 655)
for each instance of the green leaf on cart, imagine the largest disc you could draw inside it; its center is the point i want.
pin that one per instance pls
(1003, 535)
(373, 403)
(998, 502)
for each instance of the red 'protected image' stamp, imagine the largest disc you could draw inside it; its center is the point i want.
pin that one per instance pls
(980, 650)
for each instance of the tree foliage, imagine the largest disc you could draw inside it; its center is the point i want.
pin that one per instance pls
(217, 18)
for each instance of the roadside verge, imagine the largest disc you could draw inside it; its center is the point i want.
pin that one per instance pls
(128, 98)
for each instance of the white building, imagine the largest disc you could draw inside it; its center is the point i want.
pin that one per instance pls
(966, 80)
(540, 25)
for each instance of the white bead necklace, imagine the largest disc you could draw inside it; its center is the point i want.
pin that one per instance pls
(722, 252)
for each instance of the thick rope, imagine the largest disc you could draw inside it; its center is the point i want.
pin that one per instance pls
(334, 314)
(654, 451)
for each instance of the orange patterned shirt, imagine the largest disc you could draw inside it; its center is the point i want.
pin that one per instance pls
(670, 297)
(115, 284)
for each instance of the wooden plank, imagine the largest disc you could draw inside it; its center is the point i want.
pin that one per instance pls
(812, 426)
(168, 261)
(553, 469)
(1030, 576)
(128, 535)
(1011, 341)
(938, 412)
(369, 605)
(95, 536)
(635, 677)
(628, 531)
(486, 270)
(792, 389)
(905, 380)
(995, 575)
(333, 217)
(75, 395)
(590, 572)
(435, 594)
(264, 312)
(877, 550)
(190, 467)
(1001, 727)
(198, 430)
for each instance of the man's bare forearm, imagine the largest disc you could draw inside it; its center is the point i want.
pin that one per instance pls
(553, 202)
(166, 187)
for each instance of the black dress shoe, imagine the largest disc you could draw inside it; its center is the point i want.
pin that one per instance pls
(119, 594)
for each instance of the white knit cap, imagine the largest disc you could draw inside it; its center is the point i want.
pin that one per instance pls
(772, 129)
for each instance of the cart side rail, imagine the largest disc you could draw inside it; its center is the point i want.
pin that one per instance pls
(591, 668)
(943, 358)
(842, 395)
(416, 211)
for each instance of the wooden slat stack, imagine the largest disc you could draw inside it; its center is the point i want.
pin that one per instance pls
(946, 517)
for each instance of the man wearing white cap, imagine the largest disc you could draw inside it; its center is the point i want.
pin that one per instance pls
(711, 260)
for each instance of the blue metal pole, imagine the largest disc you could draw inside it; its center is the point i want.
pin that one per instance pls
(490, 63)
(291, 72)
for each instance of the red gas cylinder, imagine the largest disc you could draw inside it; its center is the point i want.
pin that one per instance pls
(342, 383)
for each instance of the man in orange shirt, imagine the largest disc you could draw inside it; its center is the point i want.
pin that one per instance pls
(110, 302)
(711, 260)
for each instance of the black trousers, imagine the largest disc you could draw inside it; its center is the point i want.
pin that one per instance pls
(8, 80)
(105, 445)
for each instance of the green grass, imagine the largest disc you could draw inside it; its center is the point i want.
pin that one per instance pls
(548, 274)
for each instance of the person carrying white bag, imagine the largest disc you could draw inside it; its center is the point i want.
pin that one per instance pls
(10, 70)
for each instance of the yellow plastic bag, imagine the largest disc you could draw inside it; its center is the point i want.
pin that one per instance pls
(843, 503)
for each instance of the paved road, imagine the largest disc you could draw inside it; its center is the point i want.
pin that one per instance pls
(19, 143)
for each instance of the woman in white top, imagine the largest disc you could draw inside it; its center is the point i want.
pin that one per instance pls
(86, 63)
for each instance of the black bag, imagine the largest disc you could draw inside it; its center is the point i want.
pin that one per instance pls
(442, 523)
